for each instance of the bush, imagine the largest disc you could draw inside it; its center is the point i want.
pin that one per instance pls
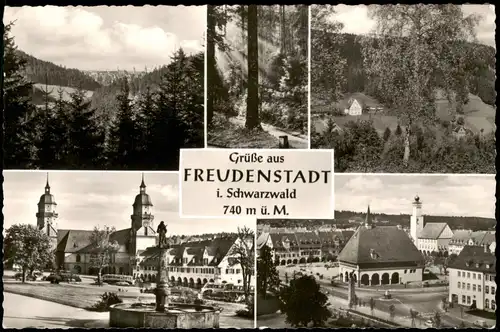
(107, 300)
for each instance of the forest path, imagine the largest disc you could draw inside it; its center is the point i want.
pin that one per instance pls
(297, 141)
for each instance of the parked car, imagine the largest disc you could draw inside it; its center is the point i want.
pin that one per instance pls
(56, 278)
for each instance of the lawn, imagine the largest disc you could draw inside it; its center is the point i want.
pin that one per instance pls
(225, 134)
(380, 122)
(67, 294)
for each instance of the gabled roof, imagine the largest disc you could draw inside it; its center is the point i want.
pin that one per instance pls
(72, 240)
(389, 243)
(307, 237)
(432, 230)
(475, 258)
(460, 236)
(477, 237)
(363, 99)
(279, 238)
(489, 238)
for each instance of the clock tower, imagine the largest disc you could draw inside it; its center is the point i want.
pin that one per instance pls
(46, 216)
(142, 228)
(416, 220)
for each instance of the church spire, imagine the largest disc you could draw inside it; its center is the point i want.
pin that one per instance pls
(143, 186)
(368, 219)
(47, 186)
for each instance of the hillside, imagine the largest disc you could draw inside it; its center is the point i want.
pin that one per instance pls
(45, 72)
(54, 92)
(350, 49)
(105, 78)
(477, 116)
(342, 221)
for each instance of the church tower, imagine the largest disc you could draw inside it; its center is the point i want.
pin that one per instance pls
(46, 217)
(368, 219)
(142, 228)
(417, 220)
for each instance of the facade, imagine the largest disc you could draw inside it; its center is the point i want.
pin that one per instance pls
(354, 108)
(462, 238)
(472, 278)
(305, 246)
(193, 264)
(378, 255)
(193, 260)
(74, 251)
(435, 237)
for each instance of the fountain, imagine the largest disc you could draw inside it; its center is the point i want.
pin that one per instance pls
(163, 314)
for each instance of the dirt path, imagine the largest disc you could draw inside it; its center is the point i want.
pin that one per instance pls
(297, 141)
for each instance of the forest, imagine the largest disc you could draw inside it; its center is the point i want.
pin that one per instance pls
(138, 123)
(257, 74)
(416, 131)
(342, 221)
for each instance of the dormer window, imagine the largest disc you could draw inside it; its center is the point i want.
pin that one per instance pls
(487, 266)
(477, 265)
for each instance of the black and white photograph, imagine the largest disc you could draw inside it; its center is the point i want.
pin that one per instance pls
(404, 88)
(257, 76)
(106, 87)
(108, 249)
(404, 251)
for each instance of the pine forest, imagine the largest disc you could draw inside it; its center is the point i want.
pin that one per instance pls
(257, 74)
(59, 118)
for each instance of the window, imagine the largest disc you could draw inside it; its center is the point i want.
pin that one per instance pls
(493, 304)
(78, 258)
(468, 299)
(468, 286)
(473, 276)
(492, 290)
(463, 298)
(458, 273)
(486, 304)
(458, 284)
(487, 289)
(478, 288)
(479, 276)
(492, 278)
(474, 287)
(468, 274)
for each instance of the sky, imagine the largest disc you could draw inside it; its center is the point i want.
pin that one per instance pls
(88, 199)
(107, 37)
(441, 195)
(356, 21)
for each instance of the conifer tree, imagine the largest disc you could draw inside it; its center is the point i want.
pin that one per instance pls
(19, 152)
(85, 139)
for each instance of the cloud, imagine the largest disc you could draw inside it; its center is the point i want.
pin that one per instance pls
(440, 194)
(87, 199)
(356, 20)
(88, 38)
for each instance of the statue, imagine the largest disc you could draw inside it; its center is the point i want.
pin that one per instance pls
(162, 233)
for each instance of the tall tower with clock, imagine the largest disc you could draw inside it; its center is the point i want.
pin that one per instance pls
(143, 234)
(416, 220)
(46, 216)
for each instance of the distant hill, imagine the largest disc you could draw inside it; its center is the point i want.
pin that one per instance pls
(105, 78)
(350, 48)
(45, 72)
(342, 221)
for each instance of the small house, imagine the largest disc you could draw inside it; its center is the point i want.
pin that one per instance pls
(356, 103)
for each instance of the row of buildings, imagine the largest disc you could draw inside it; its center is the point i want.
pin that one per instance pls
(298, 246)
(380, 255)
(192, 261)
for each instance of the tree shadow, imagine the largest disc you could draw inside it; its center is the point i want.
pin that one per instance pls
(63, 322)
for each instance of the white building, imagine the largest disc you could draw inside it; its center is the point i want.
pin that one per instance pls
(381, 255)
(354, 108)
(462, 238)
(193, 264)
(472, 278)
